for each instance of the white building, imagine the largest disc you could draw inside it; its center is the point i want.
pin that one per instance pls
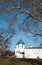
(32, 52)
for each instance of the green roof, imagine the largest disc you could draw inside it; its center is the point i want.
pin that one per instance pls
(20, 42)
(34, 48)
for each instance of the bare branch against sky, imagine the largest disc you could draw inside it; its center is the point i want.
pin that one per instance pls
(12, 8)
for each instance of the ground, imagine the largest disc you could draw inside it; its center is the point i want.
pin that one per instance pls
(15, 61)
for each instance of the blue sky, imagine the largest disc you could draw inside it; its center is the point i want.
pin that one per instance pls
(26, 37)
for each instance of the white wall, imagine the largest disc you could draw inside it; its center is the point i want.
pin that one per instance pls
(19, 51)
(28, 53)
(18, 55)
(33, 53)
(40, 53)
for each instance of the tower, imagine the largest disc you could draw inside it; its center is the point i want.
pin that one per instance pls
(19, 50)
(20, 44)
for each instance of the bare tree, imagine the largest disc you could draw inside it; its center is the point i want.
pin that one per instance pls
(31, 26)
(5, 40)
(14, 7)
(35, 12)
(40, 45)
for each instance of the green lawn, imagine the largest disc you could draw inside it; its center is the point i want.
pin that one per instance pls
(20, 62)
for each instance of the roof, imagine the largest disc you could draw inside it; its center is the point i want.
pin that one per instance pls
(34, 48)
(20, 42)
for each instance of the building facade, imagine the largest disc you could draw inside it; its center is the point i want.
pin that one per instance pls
(32, 52)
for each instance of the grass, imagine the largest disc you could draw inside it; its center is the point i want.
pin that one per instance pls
(4, 61)
(15, 61)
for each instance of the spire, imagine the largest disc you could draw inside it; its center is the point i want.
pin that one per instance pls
(20, 42)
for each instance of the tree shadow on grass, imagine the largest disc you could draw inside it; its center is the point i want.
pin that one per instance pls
(13, 61)
(32, 61)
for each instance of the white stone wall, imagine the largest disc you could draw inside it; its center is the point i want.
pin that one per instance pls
(33, 53)
(19, 51)
(18, 55)
(40, 53)
(28, 53)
